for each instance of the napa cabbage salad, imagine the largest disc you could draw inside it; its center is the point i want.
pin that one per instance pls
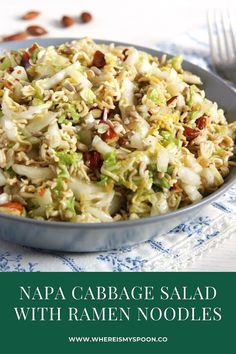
(101, 133)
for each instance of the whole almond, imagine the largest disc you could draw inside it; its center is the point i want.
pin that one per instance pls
(36, 30)
(67, 21)
(16, 37)
(30, 15)
(98, 59)
(85, 17)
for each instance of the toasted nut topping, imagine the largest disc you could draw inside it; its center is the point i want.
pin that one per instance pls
(172, 101)
(33, 48)
(67, 21)
(99, 59)
(25, 60)
(92, 159)
(36, 30)
(85, 17)
(16, 37)
(191, 133)
(201, 122)
(30, 15)
(110, 135)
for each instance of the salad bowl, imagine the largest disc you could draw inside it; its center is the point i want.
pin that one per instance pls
(91, 237)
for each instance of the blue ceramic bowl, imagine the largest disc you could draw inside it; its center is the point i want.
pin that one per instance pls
(76, 237)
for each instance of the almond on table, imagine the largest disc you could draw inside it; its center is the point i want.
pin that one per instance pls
(30, 15)
(67, 21)
(16, 36)
(85, 17)
(36, 30)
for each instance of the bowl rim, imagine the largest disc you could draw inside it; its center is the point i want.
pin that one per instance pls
(123, 223)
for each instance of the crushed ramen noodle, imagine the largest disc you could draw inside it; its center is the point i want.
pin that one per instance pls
(100, 133)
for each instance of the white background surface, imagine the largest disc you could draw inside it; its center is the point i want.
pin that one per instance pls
(140, 22)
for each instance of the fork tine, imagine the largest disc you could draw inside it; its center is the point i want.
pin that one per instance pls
(224, 21)
(219, 35)
(232, 32)
(211, 31)
(222, 40)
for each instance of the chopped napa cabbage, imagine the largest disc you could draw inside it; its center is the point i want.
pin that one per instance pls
(192, 192)
(208, 177)
(87, 95)
(127, 96)
(191, 78)
(132, 57)
(143, 65)
(175, 87)
(13, 110)
(43, 198)
(176, 62)
(33, 172)
(69, 158)
(71, 71)
(140, 130)
(212, 177)
(53, 135)
(159, 204)
(70, 206)
(145, 203)
(35, 54)
(164, 183)
(100, 146)
(40, 122)
(110, 160)
(66, 160)
(218, 179)
(189, 177)
(48, 61)
(170, 138)
(99, 214)
(93, 199)
(193, 116)
(157, 97)
(74, 114)
(10, 128)
(5, 64)
(192, 163)
(162, 159)
(69, 114)
(195, 99)
(109, 167)
(19, 73)
(207, 148)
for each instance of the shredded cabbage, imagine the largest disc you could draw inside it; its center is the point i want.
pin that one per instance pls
(99, 133)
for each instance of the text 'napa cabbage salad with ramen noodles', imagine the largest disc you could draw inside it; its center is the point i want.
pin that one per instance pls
(102, 133)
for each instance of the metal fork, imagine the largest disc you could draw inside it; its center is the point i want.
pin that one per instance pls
(222, 40)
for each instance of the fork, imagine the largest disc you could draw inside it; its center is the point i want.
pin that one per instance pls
(222, 41)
